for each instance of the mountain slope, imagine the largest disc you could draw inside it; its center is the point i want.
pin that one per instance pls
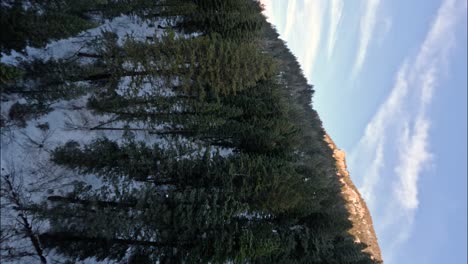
(173, 131)
(363, 229)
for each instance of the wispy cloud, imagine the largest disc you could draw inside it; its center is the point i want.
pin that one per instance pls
(367, 26)
(336, 11)
(303, 29)
(400, 131)
(371, 145)
(314, 12)
(414, 154)
(433, 55)
(291, 17)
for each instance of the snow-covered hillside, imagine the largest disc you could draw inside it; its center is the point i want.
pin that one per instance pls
(28, 175)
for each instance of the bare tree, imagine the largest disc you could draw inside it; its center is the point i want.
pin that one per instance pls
(17, 224)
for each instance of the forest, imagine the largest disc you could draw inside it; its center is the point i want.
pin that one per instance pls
(161, 131)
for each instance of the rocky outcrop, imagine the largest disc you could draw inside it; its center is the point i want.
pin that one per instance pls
(363, 229)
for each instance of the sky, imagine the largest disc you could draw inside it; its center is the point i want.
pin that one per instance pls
(390, 80)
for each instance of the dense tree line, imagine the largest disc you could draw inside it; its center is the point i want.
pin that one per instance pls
(231, 86)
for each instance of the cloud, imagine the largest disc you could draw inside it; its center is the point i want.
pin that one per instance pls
(367, 26)
(314, 11)
(371, 145)
(303, 30)
(336, 11)
(367, 190)
(433, 54)
(400, 132)
(291, 16)
(413, 156)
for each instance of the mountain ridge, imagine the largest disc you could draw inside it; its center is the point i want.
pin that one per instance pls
(363, 229)
(301, 91)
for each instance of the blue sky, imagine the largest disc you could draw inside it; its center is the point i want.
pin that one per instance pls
(391, 89)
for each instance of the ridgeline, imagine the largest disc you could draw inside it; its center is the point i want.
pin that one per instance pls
(187, 135)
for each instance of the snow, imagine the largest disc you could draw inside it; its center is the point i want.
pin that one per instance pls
(25, 151)
(123, 26)
(150, 87)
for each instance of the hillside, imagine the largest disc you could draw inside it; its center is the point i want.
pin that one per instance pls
(172, 131)
(363, 229)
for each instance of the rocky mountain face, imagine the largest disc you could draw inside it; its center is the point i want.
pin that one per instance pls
(363, 229)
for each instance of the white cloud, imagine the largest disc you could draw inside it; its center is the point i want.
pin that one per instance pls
(303, 30)
(371, 145)
(336, 11)
(314, 10)
(400, 131)
(414, 155)
(367, 190)
(433, 54)
(291, 17)
(367, 26)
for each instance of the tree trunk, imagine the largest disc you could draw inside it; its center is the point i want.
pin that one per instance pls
(14, 197)
(106, 75)
(56, 198)
(150, 131)
(69, 237)
(33, 238)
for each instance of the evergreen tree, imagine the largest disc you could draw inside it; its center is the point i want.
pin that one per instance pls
(236, 20)
(41, 22)
(274, 199)
(205, 66)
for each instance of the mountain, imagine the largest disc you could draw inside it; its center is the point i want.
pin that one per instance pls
(172, 131)
(363, 229)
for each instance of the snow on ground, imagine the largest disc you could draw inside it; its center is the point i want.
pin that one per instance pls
(25, 150)
(25, 159)
(124, 26)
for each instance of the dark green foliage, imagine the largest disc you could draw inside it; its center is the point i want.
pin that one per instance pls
(212, 66)
(20, 113)
(41, 84)
(236, 20)
(9, 76)
(37, 25)
(53, 80)
(274, 198)
(267, 184)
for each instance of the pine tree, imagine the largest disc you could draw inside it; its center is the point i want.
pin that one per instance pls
(273, 199)
(207, 66)
(236, 20)
(41, 22)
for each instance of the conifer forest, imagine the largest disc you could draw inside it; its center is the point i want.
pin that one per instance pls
(161, 131)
